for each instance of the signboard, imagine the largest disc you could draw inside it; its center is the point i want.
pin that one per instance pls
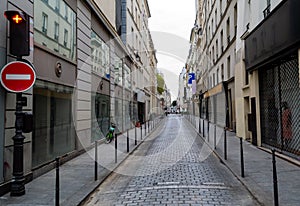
(191, 78)
(17, 76)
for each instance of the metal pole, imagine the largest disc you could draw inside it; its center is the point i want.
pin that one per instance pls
(135, 140)
(208, 131)
(215, 139)
(96, 161)
(148, 126)
(242, 158)
(275, 183)
(127, 141)
(141, 131)
(145, 128)
(57, 182)
(17, 183)
(116, 148)
(199, 126)
(225, 144)
(203, 128)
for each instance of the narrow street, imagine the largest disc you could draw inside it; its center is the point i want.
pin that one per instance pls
(172, 167)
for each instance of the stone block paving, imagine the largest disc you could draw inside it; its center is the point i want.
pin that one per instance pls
(174, 173)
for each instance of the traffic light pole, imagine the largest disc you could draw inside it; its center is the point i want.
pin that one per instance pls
(18, 180)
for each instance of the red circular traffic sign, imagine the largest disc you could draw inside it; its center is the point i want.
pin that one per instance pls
(17, 76)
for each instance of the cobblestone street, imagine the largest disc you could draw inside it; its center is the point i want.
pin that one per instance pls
(172, 167)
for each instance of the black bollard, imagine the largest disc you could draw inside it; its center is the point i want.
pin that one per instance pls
(215, 138)
(199, 125)
(148, 126)
(135, 140)
(225, 144)
(242, 158)
(116, 148)
(208, 131)
(57, 182)
(96, 161)
(203, 128)
(141, 131)
(145, 129)
(275, 183)
(127, 141)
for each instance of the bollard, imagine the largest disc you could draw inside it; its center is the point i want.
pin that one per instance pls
(135, 140)
(215, 138)
(275, 183)
(127, 141)
(96, 161)
(199, 125)
(225, 144)
(116, 148)
(242, 158)
(203, 128)
(145, 128)
(57, 182)
(148, 126)
(141, 131)
(208, 131)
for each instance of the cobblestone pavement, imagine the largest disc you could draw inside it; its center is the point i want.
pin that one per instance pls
(172, 167)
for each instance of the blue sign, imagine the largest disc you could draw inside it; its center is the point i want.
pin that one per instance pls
(191, 78)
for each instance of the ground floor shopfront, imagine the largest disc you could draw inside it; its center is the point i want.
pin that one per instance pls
(270, 94)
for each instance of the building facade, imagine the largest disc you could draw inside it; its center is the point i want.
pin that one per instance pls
(267, 70)
(84, 80)
(212, 59)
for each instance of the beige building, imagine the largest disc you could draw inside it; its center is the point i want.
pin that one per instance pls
(212, 59)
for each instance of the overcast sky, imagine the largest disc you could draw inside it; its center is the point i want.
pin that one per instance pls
(170, 24)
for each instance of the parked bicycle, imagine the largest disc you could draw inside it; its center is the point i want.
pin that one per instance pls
(110, 134)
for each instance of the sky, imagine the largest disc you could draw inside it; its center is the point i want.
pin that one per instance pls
(170, 24)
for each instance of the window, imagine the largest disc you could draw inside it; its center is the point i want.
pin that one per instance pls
(216, 16)
(45, 23)
(268, 9)
(217, 76)
(100, 52)
(57, 5)
(235, 19)
(46, 27)
(228, 30)
(228, 67)
(56, 31)
(57, 101)
(222, 72)
(221, 8)
(65, 37)
(213, 54)
(221, 37)
(217, 49)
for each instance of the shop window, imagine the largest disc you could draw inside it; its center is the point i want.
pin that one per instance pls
(54, 133)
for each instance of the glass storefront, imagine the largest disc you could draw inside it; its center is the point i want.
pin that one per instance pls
(55, 27)
(100, 113)
(54, 133)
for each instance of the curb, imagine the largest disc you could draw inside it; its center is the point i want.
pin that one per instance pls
(116, 166)
(223, 161)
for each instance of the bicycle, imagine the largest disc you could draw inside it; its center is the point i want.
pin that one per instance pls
(110, 134)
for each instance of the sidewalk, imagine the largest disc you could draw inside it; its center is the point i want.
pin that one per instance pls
(77, 179)
(258, 167)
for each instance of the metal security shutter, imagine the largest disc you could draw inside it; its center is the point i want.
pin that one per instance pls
(220, 109)
(279, 92)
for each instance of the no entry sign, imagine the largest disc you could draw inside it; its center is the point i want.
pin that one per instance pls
(17, 76)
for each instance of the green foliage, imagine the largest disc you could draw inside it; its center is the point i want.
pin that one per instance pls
(160, 84)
